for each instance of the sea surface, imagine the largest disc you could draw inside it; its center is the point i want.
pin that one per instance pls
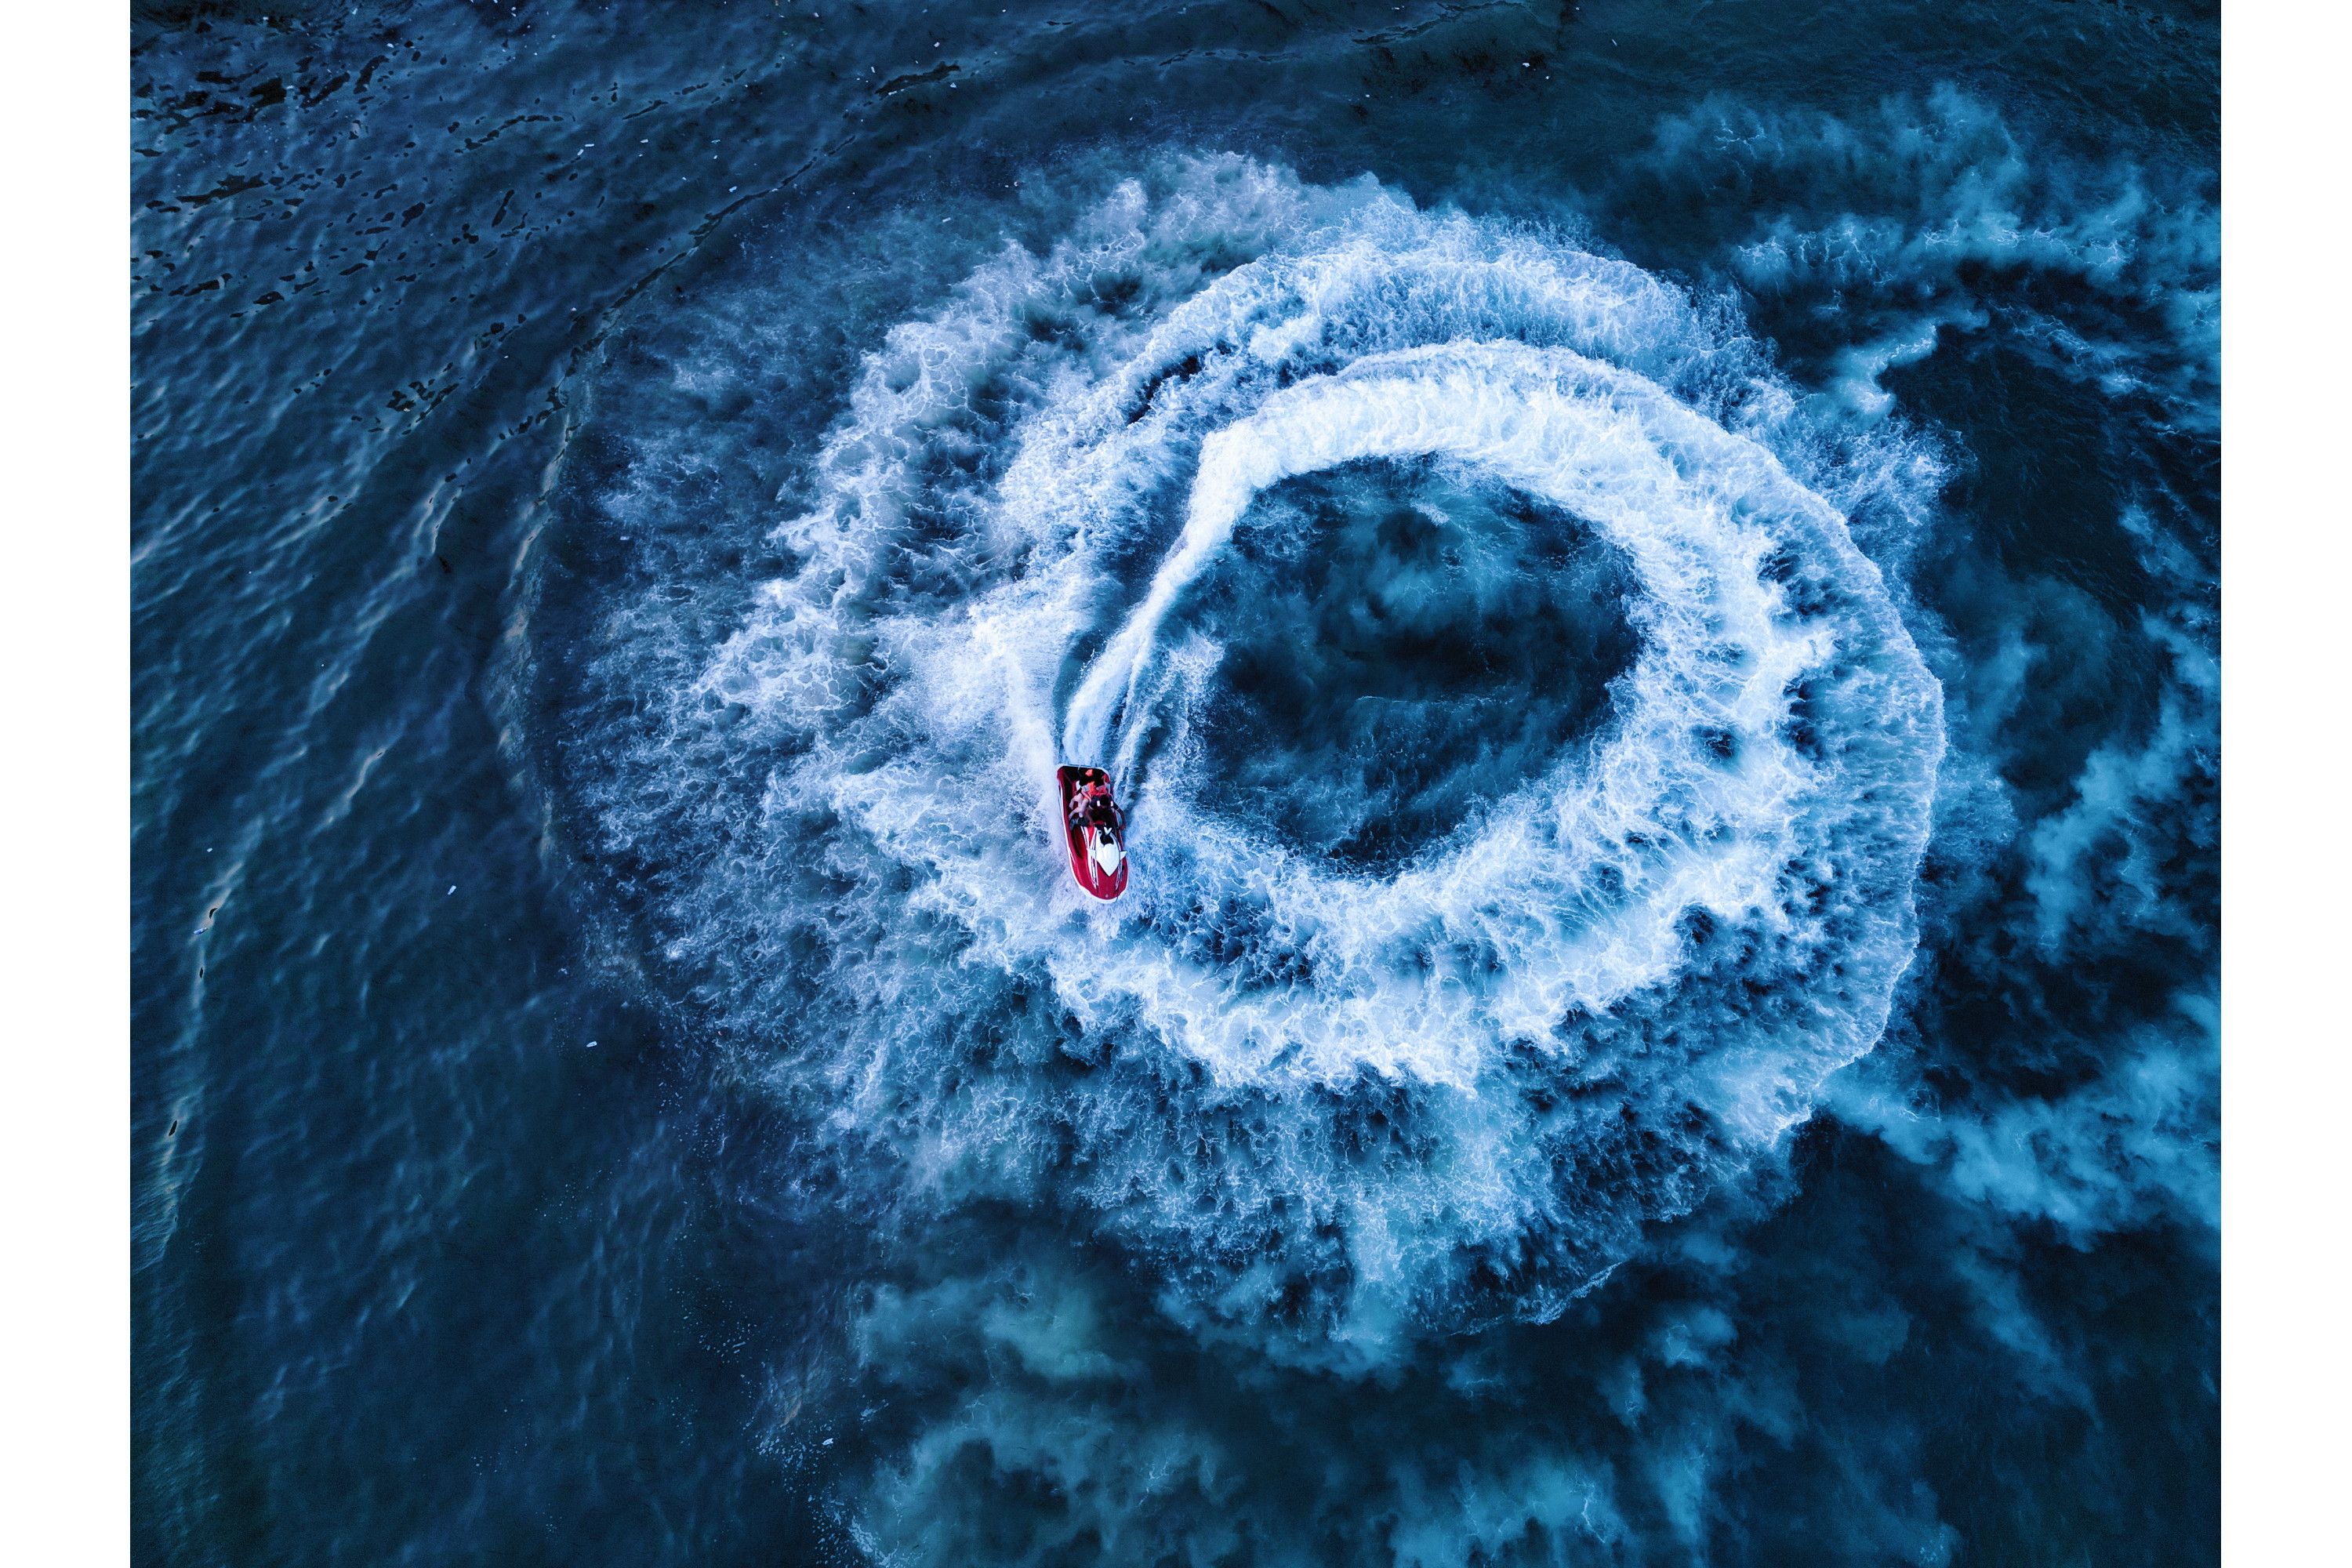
(1647, 573)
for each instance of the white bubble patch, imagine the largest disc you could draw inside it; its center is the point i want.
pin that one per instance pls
(1355, 1096)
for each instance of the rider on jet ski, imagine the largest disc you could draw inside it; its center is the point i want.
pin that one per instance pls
(1096, 830)
(1094, 807)
(1097, 817)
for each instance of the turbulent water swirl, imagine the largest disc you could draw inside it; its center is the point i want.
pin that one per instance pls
(1426, 994)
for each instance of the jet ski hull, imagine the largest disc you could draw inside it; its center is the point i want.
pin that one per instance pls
(1089, 875)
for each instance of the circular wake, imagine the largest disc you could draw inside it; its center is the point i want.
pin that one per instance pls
(1526, 773)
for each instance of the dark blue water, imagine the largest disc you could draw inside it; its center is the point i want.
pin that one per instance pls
(1648, 573)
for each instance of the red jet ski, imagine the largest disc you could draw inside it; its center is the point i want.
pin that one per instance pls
(1096, 830)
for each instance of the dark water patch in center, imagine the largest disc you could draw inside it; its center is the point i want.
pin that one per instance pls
(1403, 647)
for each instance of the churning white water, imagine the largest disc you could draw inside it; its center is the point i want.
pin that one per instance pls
(1455, 1080)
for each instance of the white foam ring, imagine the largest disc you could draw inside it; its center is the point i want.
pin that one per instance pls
(1456, 1086)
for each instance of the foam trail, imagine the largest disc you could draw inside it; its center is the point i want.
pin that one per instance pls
(1463, 412)
(1451, 1083)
